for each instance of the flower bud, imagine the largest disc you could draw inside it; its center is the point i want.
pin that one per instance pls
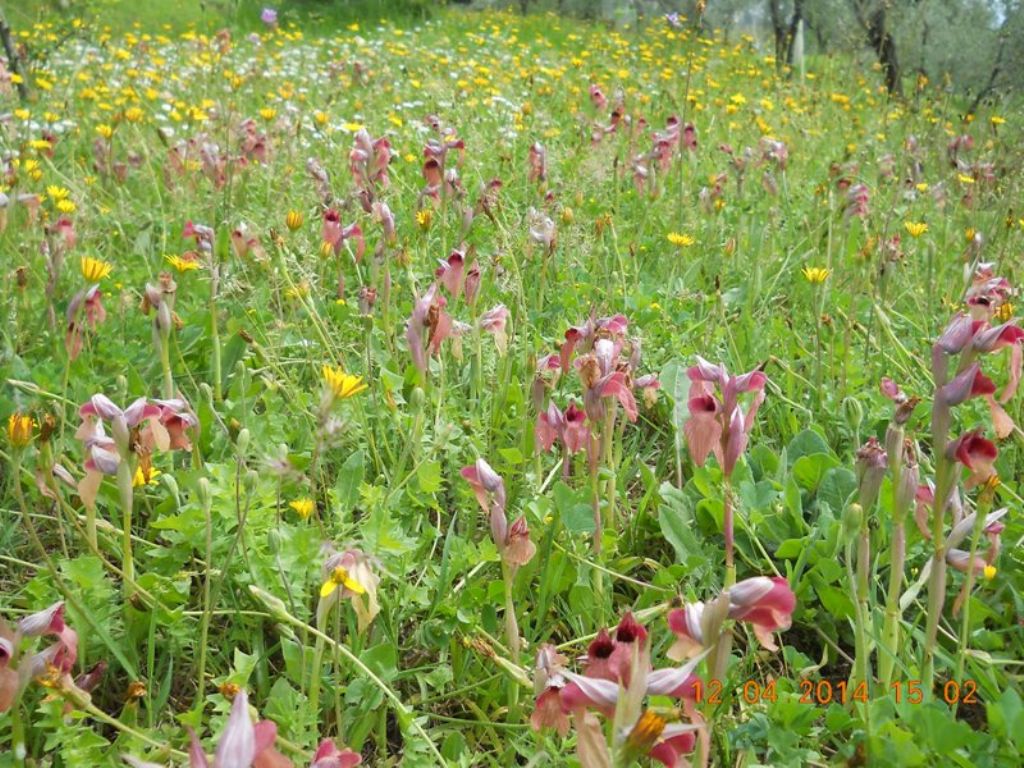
(273, 604)
(853, 516)
(871, 465)
(171, 484)
(853, 412)
(243, 441)
(906, 490)
(203, 493)
(417, 398)
(274, 541)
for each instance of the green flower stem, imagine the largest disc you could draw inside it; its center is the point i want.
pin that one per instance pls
(890, 646)
(984, 505)
(508, 573)
(215, 364)
(405, 715)
(314, 681)
(17, 735)
(862, 667)
(937, 580)
(204, 622)
(125, 493)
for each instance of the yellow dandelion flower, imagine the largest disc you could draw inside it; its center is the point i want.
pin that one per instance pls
(964, 178)
(681, 240)
(342, 385)
(19, 429)
(969, 234)
(56, 193)
(94, 270)
(815, 275)
(921, 186)
(268, 113)
(105, 131)
(997, 120)
(145, 476)
(339, 578)
(134, 114)
(646, 732)
(989, 573)
(915, 228)
(423, 218)
(352, 127)
(66, 206)
(182, 265)
(303, 507)
(320, 118)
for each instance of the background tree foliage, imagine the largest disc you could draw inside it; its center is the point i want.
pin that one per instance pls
(975, 47)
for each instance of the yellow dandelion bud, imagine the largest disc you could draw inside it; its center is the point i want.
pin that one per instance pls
(294, 219)
(989, 573)
(94, 270)
(19, 429)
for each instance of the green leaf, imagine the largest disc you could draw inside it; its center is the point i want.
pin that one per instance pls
(428, 476)
(836, 487)
(382, 660)
(810, 470)
(675, 517)
(574, 509)
(346, 488)
(835, 601)
(790, 549)
(511, 456)
(806, 443)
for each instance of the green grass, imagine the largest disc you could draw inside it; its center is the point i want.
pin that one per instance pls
(227, 546)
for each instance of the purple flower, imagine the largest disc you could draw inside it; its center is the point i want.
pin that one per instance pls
(269, 16)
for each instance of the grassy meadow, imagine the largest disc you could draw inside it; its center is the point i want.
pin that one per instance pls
(490, 390)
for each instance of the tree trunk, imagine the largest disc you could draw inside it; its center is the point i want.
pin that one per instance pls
(778, 31)
(794, 23)
(872, 18)
(12, 58)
